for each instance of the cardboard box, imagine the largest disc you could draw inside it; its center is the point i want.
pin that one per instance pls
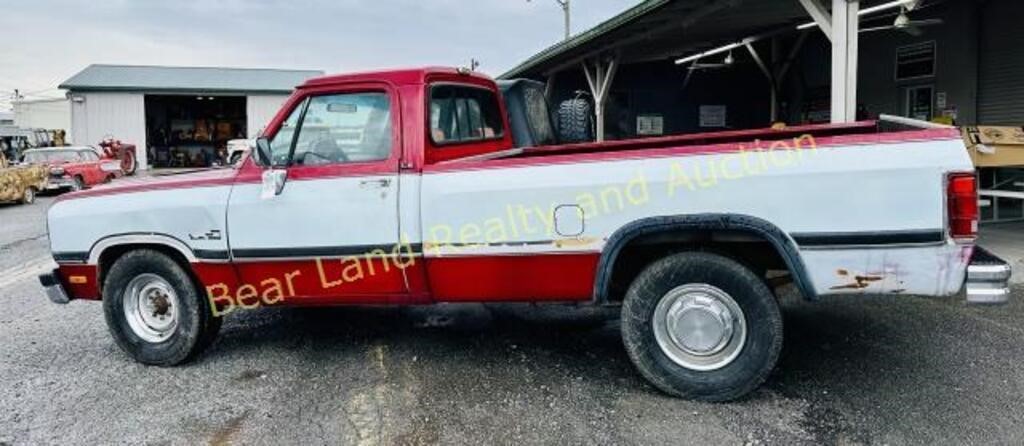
(993, 146)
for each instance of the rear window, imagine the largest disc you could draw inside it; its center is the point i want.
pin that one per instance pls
(461, 113)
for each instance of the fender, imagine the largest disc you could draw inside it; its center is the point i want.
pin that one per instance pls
(782, 243)
(139, 239)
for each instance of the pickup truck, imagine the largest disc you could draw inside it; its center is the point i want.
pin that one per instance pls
(433, 185)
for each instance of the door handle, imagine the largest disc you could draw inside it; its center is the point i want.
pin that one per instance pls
(378, 183)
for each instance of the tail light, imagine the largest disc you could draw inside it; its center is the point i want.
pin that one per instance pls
(962, 199)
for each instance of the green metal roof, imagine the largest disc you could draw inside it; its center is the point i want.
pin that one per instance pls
(186, 79)
(564, 46)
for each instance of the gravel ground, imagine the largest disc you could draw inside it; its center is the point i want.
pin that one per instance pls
(872, 370)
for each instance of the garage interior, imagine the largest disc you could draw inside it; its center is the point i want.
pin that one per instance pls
(193, 131)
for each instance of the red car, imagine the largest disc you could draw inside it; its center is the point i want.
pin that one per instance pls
(75, 167)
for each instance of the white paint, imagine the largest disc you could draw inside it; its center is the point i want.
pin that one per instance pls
(888, 187)
(316, 213)
(259, 110)
(50, 114)
(95, 115)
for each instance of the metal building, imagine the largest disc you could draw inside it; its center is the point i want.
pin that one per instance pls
(181, 115)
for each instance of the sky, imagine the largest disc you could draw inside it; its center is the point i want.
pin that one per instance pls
(47, 41)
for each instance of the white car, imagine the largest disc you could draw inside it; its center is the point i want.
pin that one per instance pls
(237, 149)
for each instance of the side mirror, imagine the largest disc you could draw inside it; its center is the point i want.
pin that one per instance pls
(273, 182)
(263, 153)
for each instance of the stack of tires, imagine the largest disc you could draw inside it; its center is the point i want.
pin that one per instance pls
(575, 121)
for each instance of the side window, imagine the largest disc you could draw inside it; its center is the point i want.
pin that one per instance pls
(282, 141)
(461, 114)
(340, 128)
(90, 156)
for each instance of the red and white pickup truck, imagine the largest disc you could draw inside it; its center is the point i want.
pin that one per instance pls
(435, 185)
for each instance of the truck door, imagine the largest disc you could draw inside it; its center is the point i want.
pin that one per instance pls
(331, 235)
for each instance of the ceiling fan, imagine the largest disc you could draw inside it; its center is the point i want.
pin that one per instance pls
(903, 23)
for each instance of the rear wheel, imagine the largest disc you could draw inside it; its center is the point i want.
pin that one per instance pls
(29, 196)
(154, 311)
(128, 163)
(702, 326)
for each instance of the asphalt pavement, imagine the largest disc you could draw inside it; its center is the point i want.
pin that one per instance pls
(854, 370)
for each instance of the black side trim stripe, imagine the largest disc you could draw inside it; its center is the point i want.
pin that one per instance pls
(210, 254)
(325, 251)
(869, 238)
(71, 256)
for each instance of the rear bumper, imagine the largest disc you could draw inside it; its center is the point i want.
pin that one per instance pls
(988, 278)
(54, 288)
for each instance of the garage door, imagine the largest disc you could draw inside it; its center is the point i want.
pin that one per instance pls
(1001, 64)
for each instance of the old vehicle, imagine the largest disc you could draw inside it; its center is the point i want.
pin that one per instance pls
(406, 187)
(74, 167)
(237, 149)
(113, 149)
(20, 183)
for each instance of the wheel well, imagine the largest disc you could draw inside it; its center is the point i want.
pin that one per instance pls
(111, 254)
(755, 252)
(754, 242)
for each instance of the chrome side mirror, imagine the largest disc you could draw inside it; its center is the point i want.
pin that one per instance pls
(273, 182)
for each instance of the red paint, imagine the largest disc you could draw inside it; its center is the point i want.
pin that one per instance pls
(543, 277)
(545, 159)
(205, 178)
(89, 289)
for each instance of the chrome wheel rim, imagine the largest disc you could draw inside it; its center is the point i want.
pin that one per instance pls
(151, 307)
(699, 327)
(30, 195)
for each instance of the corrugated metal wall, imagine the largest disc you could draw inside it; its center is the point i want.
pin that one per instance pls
(1001, 64)
(122, 115)
(259, 110)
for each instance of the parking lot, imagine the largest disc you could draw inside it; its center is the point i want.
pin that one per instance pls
(872, 370)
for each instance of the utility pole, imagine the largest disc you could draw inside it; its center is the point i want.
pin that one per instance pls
(565, 10)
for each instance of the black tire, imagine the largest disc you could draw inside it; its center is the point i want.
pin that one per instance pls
(757, 355)
(77, 184)
(574, 121)
(196, 326)
(29, 196)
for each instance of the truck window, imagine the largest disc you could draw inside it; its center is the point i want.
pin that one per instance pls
(462, 113)
(338, 128)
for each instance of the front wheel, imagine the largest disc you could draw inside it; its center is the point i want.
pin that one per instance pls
(702, 326)
(29, 196)
(154, 310)
(77, 184)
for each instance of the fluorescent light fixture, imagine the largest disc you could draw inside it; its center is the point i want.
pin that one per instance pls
(863, 12)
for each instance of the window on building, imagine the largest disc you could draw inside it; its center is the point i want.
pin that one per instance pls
(462, 113)
(915, 61)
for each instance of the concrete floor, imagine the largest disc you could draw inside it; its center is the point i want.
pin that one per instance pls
(1006, 240)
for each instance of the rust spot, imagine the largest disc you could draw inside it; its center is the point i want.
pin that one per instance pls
(859, 282)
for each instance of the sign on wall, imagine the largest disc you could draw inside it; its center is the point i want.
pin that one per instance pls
(650, 125)
(712, 115)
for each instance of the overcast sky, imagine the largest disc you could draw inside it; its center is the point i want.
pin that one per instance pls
(46, 41)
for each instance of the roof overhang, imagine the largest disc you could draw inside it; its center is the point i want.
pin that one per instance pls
(668, 29)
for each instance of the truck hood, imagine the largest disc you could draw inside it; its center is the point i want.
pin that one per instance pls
(201, 178)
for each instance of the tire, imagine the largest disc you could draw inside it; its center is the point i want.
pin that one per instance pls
(108, 179)
(164, 339)
(29, 195)
(128, 163)
(574, 121)
(77, 184)
(699, 286)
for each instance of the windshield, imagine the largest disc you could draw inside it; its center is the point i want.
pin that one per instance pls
(53, 156)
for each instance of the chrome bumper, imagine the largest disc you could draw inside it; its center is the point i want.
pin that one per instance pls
(54, 289)
(988, 279)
